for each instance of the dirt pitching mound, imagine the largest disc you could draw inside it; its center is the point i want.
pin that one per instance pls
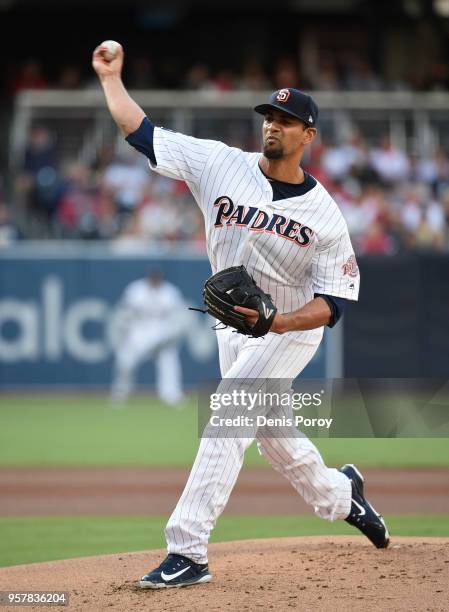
(322, 573)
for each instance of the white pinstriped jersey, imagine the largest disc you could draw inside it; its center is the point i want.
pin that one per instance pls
(293, 248)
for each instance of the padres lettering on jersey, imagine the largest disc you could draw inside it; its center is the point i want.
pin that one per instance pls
(258, 220)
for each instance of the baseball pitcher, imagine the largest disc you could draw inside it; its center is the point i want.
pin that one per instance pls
(270, 223)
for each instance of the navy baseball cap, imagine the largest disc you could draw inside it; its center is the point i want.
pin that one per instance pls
(293, 102)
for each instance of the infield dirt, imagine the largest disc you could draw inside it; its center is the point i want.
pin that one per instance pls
(310, 573)
(39, 491)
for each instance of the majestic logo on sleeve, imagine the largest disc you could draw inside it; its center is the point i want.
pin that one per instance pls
(350, 267)
(256, 220)
(283, 95)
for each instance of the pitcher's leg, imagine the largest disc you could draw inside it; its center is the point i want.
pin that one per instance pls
(327, 490)
(213, 476)
(206, 493)
(295, 456)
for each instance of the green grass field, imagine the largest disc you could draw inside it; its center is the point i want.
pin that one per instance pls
(85, 430)
(28, 540)
(77, 430)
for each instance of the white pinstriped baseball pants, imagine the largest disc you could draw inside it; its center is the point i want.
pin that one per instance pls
(219, 460)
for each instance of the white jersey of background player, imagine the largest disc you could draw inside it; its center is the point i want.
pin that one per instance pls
(150, 324)
(262, 211)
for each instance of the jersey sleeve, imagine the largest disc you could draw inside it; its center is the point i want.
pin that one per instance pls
(179, 156)
(334, 268)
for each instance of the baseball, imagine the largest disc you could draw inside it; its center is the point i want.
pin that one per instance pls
(111, 49)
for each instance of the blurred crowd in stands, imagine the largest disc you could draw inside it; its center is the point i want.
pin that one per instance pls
(391, 202)
(348, 72)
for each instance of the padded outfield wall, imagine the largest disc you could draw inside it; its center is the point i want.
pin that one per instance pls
(399, 328)
(57, 307)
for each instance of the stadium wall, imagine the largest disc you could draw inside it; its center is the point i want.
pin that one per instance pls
(57, 317)
(400, 326)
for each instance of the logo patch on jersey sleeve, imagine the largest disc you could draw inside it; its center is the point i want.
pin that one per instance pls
(350, 267)
(283, 95)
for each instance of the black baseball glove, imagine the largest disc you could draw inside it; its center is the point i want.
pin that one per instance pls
(235, 287)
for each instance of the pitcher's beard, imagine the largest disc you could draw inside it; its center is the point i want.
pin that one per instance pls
(273, 152)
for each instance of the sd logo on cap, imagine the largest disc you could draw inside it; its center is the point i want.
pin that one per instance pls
(293, 102)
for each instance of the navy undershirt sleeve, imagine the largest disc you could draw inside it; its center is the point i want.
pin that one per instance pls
(336, 304)
(142, 139)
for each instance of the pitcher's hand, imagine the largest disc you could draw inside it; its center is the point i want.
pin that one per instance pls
(105, 68)
(277, 327)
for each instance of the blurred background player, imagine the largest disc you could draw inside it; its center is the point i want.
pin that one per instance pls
(150, 322)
